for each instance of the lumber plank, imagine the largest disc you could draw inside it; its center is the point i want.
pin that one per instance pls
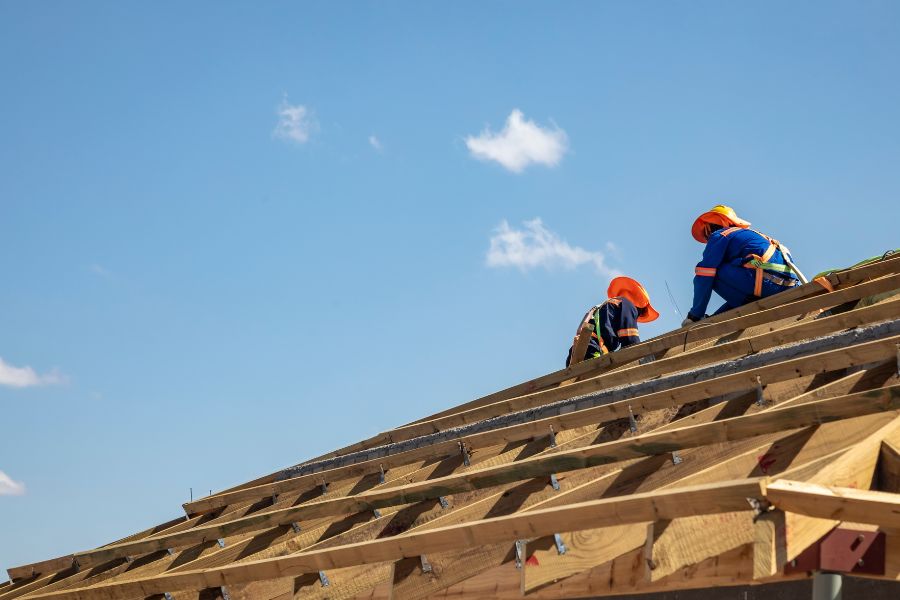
(849, 277)
(855, 468)
(832, 360)
(835, 502)
(795, 451)
(812, 293)
(538, 466)
(624, 575)
(769, 545)
(233, 521)
(733, 349)
(282, 540)
(636, 508)
(687, 540)
(450, 567)
(889, 467)
(756, 311)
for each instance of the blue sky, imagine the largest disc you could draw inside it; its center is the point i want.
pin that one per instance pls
(234, 235)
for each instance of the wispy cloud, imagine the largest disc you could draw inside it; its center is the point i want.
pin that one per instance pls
(21, 377)
(375, 143)
(8, 487)
(295, 123)
(536, 246)
(519, 144)
(100, 270)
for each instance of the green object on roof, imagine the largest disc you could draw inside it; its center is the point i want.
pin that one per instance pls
(860, 263)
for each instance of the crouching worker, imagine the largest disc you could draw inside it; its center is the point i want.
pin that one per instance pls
(607, 326)
(739, 264)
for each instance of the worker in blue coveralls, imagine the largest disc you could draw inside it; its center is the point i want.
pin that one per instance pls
(615, 322)
(739, 263)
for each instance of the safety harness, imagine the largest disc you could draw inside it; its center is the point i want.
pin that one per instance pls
(594, 315)
(762, 265)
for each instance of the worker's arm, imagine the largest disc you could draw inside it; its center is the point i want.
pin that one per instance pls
(627, 326)
(705, 274)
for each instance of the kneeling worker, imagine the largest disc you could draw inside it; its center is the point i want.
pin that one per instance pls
(614, 323)
(740, 264)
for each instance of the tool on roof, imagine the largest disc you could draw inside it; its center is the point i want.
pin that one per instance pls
(672, 300)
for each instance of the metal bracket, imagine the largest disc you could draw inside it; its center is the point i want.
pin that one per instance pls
(295, 526)
(167, 596)
(170, 551)
(324, 487)
(377, 513)
(443, 502)
(128, 559)
(274, 498)
(632, 422)
(898, 359)
(760, 399)
(426, 566)
(760, 507)
(676, 460)
(220, 542)
(843, 550)
(554, 482)
(464, 452)
(520, 554)
(225, 594)
(560, 547)
(553, 433)
(381, 474)
(323, 579)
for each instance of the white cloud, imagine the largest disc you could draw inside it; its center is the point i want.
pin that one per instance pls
(375, 143)
(536, 246)
(295, 123)
(520, 144)
(100, 270)
(21, 377)
(8, 487)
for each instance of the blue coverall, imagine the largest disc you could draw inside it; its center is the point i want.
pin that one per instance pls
(722, 269)
(618, 326)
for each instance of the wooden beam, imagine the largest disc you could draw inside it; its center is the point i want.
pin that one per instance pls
(686, 541)
(836, 503)
(793, 451)
(799, 300)
(889, 468)
(706, 499)
(538, 466)
(183, 525)
(823, 362)
(726, 351)
(757, 312)
(769, 545)
(625, 575)
(855, 468)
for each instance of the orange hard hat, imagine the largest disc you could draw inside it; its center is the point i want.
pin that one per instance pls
(718, 215)
(626, 287)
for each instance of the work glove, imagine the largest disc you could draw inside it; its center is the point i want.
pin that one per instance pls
(689, 320)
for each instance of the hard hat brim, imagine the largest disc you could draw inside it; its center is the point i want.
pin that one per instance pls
(629, 288)
(714, 217)
(649, 315)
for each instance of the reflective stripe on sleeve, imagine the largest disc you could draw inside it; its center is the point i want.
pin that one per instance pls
(705, 271)
(630, 332)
